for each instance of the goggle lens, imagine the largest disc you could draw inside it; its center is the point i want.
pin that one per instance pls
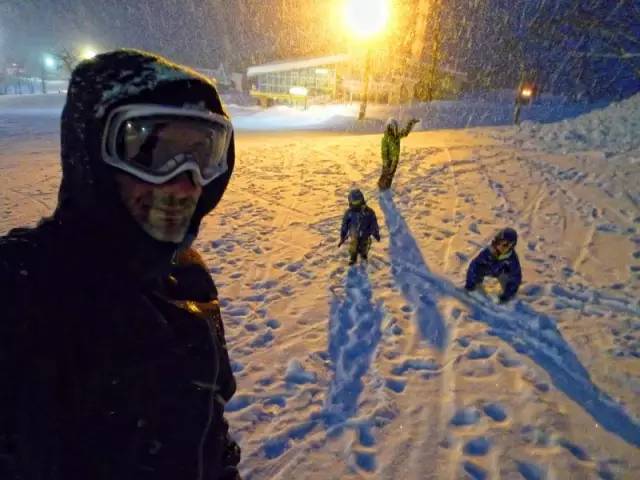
(159, 145)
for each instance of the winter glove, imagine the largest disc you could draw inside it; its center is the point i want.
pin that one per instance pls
(340, 242)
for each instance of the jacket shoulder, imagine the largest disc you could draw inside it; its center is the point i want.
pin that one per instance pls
(21, 267)
(20, 250)
(189, 257)
(484, 255)
(190, 278)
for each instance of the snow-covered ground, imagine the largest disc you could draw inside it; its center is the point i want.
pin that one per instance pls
(389, 370)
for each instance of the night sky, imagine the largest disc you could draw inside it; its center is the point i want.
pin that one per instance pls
(582, 47)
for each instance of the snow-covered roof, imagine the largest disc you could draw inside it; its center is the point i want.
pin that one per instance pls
(283, 66)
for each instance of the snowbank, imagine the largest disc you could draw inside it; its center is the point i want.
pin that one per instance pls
(613, 129)
(37, 104)
(472, 111)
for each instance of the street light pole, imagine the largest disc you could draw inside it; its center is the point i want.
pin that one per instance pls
(44, 63)
(365, 85)
(44, 83)
(366, 19)
(47, 63)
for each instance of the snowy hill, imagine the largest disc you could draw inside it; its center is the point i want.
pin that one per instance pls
(488, 109)
(613, 129)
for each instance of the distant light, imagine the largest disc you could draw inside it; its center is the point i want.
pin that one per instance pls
(527, 92)
(88, 53)
(366, 18)
(49, 62)
(322, 71)
(299, 91)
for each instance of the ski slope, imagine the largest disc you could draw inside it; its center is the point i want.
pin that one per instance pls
(389, 370)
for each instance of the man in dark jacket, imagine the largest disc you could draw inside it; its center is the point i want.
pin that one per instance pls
(113, 362)
(360, 224)
(498, 260)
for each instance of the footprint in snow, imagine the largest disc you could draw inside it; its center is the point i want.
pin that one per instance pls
(531, 471)
(465, 417)
(477, 447)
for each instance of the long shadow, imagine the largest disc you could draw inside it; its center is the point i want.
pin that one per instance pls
(422, 296)
(530, 333)
(354, 333)
(536, 336)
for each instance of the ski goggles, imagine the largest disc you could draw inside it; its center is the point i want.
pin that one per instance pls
(156, 143)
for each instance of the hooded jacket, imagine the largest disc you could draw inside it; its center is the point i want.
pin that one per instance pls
(113, 362)
(360, 223)
(506, 268)
(390, 144)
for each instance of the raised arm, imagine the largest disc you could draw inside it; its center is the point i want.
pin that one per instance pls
(406, 130)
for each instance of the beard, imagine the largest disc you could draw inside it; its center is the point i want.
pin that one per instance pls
(165, 217)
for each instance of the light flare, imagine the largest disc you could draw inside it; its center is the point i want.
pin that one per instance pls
(366, 18)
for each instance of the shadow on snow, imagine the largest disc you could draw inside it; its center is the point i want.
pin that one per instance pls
(404, 250)
(354, 333)
(527, 331)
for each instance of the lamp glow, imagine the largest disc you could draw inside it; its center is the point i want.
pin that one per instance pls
(366, 18)
(49, 62)
(88, 53)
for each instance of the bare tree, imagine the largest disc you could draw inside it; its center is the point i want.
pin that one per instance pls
(67, 58)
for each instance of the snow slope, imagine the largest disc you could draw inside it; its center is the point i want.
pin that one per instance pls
(389, 370)
(611, 130)
(491, 109)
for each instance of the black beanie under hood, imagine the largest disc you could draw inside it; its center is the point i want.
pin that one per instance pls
(88, 191)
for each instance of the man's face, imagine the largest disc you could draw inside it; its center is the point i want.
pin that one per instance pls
(163, 211)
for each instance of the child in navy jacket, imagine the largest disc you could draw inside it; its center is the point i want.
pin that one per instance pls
(498, 260)
(360, 224)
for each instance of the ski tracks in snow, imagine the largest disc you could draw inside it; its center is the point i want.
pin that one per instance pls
(345, 400)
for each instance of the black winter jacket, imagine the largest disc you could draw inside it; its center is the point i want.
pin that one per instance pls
(104, 377)
(113, 363)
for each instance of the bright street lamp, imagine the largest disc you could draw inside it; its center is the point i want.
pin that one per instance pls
(49, 62)
(365, 19)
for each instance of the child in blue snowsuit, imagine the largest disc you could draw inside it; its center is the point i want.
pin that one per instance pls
(359, 224)
(498, 260)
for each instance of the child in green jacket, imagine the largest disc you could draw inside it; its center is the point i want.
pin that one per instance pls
(390, 149)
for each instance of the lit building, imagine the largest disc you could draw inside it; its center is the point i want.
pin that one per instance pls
(289, 81)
